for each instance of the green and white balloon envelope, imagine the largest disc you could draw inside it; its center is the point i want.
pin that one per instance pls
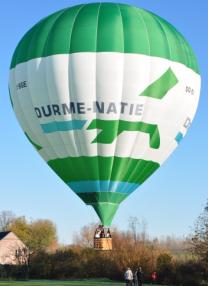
(105, 92)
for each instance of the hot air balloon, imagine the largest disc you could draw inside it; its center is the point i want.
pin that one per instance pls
(105, 92)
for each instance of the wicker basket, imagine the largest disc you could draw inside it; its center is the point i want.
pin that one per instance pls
(103, 243)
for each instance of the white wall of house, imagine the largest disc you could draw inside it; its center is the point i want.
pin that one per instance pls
(9, 245)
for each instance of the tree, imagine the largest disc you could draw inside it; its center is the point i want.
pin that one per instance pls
(44, 236)
(137, 229)
(39, 235)
(200, 237)
(21, 228)
(85, 237)
(165, 268)
(6, 218)
(133, 226)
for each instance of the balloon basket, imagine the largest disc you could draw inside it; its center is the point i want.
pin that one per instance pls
(102, 238)
(103, 243)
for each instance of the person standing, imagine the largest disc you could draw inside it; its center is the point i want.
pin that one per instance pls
(139, 276)
(154, 277)
(135, 278)
(128, 276)
(108, 234)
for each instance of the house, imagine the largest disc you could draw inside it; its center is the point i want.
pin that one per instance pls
(12, 250)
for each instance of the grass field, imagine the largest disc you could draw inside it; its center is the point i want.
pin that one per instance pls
(61, 283)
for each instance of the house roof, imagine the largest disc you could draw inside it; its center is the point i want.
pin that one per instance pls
(3, 234)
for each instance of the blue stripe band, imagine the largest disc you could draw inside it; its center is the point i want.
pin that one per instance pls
(63, 126)
(102, 186)
(179, 137)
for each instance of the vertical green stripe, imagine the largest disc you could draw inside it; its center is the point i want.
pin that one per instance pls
(38, 43)
(21, 53)
(33, 43)
(62, 30)
(155, 35)
(85, 29)
(110, 29)
(137, 41)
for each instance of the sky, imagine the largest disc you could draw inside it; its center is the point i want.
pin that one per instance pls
(169, 201)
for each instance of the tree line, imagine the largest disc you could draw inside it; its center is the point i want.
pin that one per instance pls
(176, 261)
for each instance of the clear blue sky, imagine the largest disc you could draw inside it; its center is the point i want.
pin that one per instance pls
(169, 201)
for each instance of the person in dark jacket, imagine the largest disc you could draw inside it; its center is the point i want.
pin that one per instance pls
(139, 274)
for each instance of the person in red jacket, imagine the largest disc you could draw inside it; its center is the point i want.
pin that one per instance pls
(154, 276)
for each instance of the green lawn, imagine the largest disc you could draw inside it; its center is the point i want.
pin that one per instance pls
(61, 283)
